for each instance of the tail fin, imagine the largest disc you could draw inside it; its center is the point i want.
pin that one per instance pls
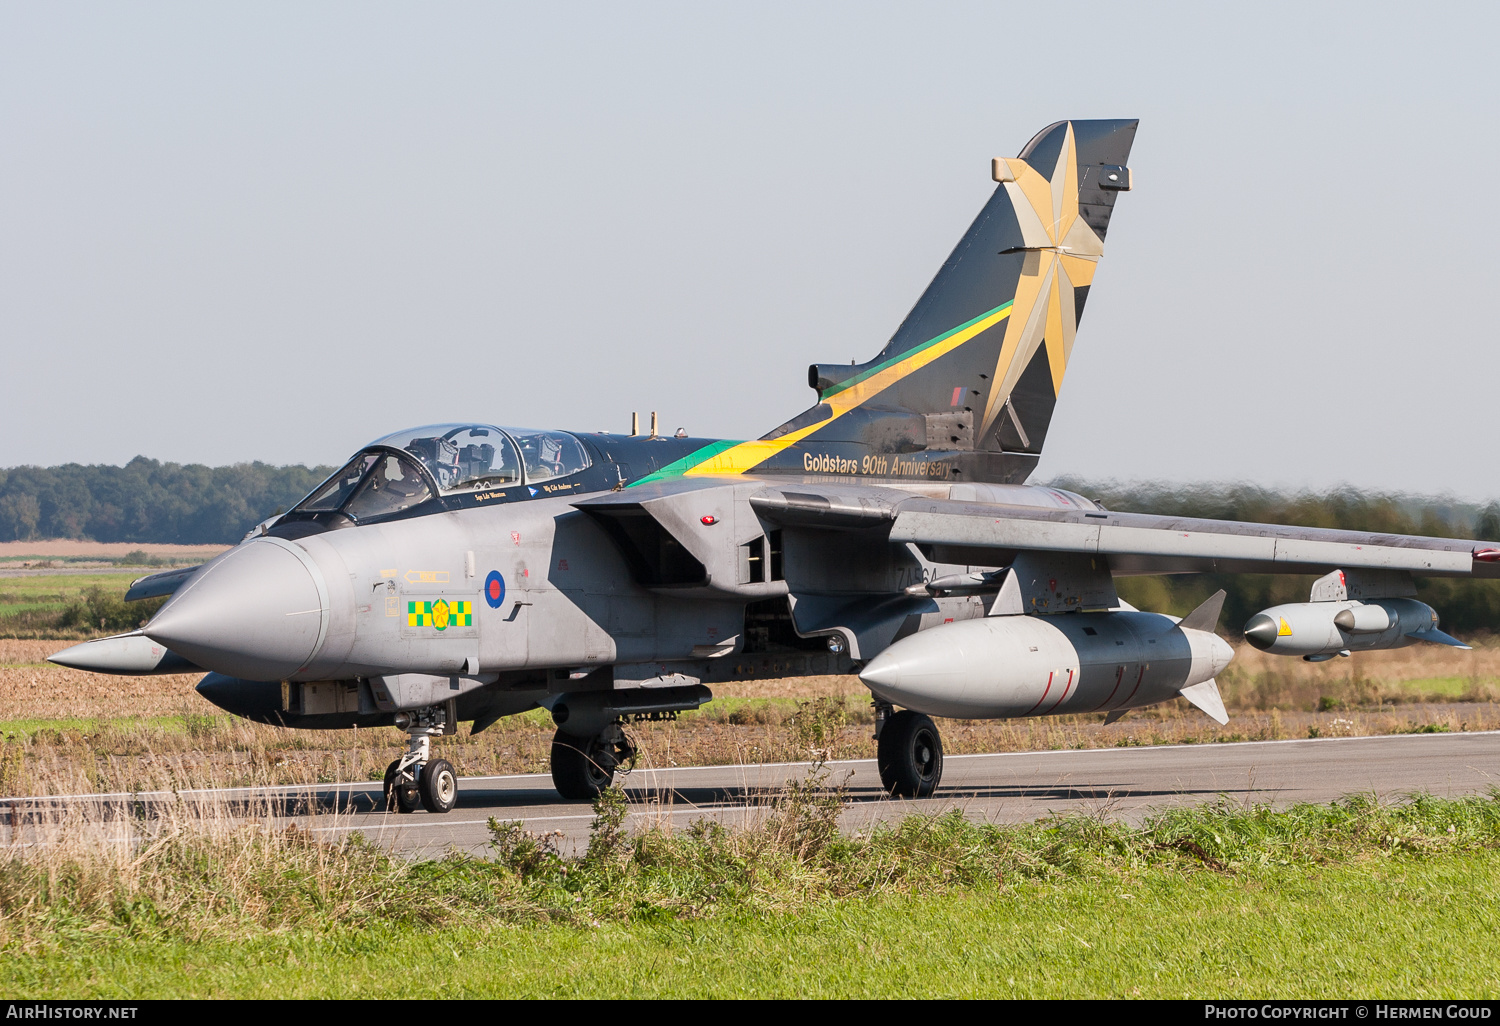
(964, 390)
(980, 358)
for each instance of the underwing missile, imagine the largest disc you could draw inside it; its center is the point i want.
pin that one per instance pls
(1319, 630)
(1004, 666)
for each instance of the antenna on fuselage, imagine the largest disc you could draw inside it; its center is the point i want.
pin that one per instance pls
(653, 423)
(635, 423)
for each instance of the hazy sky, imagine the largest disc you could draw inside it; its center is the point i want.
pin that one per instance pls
(277, 231)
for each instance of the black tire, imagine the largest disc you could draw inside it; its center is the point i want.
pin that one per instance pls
(399, 799)
(910, 755)
(579, 766)
(437, 785)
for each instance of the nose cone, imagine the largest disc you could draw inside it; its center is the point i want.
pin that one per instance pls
(256, 614)
(1260, 631)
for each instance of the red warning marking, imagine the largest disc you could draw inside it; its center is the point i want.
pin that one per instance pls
(958, 393)
(1039, 701)
(1064, 696)
(1119, 676)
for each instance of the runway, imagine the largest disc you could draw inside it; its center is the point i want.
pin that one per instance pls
(1119, 783)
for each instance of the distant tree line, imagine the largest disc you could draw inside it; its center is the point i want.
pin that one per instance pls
(1466, 606)
(148, 501)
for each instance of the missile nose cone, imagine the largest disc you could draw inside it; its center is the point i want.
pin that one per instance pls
(883, 670)
(257, 614)
(1260, 631)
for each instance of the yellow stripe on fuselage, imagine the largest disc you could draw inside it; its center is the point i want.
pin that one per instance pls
(746, 456)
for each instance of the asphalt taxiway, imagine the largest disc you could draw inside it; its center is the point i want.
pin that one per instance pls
(1118, 783)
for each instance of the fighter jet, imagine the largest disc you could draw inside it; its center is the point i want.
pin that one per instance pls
(465, 572)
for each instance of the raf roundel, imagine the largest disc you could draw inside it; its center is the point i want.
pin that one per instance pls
(494, 589)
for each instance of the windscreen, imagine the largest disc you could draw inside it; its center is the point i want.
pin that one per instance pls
(391, 485)
(331, 494)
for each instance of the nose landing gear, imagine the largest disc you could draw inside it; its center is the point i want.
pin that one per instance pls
(416, 778)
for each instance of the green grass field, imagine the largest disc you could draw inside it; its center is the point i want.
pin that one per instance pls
(1285, 934)
(13, 729)
(1438, 688)
(1352, 900)
(55, 592)
(70, 605)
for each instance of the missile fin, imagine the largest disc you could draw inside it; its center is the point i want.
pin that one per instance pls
(1008, 601)
(1437, 637)
(1115, 714)
(1206, 695)
(1206, 616)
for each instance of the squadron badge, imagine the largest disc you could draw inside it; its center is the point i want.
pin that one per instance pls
(440, 615)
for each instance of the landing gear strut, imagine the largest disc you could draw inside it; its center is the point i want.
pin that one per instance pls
(582, 767)
(416, 778)
(909, 753)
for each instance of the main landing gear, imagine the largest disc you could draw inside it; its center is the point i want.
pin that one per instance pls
(909, 752)
(582, 767)
(416, 778)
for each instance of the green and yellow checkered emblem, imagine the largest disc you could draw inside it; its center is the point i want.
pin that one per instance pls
(441, 614)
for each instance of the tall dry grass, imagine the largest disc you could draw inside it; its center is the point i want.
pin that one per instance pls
(208, 872)
(185, 865)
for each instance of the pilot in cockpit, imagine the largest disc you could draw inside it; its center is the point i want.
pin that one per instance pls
(441, 457)
(546, 461)
(474, 461)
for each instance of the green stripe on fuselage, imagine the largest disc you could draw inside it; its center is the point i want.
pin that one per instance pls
(679, 467)
(913, 351)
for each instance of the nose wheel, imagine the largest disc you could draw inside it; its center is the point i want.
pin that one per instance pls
(417, 779)
(401, 788)
(909, 752)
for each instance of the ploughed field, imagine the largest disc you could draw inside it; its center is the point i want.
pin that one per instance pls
(67, 731)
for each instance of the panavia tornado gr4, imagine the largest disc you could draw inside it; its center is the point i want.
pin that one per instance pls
(465, 572)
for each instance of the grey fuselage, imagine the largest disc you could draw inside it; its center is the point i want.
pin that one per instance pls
(326, 623)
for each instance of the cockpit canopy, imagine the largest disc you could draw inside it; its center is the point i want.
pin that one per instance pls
(460, 457)
(388, 475)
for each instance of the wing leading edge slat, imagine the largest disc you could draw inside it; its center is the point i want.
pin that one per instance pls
(1138, 543)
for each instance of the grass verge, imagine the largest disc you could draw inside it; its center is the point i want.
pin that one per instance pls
(1357, 898)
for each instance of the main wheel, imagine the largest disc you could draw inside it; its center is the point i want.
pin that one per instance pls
(910, 755)
(581, 768)
(437, 785)
(399, 799)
